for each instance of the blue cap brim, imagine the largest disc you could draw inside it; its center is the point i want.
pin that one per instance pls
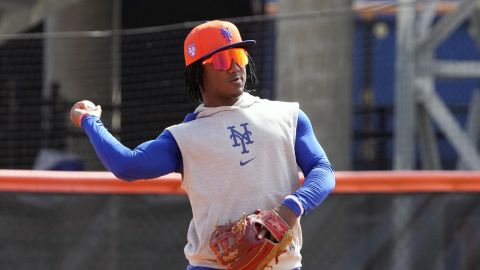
(242, 44)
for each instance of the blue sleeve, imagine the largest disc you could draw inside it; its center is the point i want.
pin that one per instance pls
(312, 160)
(148, 160)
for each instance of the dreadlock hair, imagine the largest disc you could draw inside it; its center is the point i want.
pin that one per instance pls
(252, 79)
(193, 79)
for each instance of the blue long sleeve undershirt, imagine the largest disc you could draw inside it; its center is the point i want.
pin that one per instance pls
(312, 160)
(162, 156)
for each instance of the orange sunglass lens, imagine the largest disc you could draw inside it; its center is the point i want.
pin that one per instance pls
(223, 59)
(240, 56)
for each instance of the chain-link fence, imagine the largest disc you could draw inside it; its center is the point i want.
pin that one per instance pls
(357, 231)
(42, 74)
(34, 127)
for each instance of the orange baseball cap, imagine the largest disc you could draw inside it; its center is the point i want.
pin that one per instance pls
(211, 37)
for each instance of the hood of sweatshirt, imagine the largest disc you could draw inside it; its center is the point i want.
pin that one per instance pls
(246, 100)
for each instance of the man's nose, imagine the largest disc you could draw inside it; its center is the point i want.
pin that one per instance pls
(234, 67)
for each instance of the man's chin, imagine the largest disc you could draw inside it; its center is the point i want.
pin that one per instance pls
(235, 92)
(239, 93)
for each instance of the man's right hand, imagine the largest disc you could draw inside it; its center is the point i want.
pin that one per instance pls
(82, 108)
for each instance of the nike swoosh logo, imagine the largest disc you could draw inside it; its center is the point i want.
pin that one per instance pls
(243, 163)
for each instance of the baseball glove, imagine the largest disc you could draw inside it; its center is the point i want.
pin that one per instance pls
(237, 245)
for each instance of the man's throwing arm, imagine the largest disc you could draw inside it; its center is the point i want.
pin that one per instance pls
(148, 160)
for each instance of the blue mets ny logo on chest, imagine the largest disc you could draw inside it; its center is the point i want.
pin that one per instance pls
(241, 139)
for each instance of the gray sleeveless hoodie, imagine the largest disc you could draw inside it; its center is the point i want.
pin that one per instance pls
(237, 159)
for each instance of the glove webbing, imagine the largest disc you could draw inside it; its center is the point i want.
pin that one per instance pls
(286, 240)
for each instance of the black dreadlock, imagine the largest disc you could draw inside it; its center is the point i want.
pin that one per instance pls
(193, 79)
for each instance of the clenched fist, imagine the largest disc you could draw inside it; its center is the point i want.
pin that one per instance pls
(82, 108)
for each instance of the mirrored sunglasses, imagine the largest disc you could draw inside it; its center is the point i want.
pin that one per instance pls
(223, 59)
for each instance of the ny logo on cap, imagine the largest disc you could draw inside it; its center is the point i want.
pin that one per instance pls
(192, 49)
(226, 33)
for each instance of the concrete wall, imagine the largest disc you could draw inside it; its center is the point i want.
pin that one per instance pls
(313, 67)
(81, 66)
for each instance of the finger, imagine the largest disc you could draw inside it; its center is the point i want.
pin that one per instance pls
(79, 105)
(82, 104)
(88, 104)
(80, 111)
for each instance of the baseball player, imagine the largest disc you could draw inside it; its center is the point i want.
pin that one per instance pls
(238, 156)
